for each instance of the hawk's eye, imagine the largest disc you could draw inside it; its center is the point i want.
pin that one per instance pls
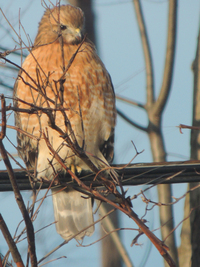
(63, 27)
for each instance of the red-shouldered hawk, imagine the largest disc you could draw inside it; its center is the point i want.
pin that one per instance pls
(86, 94)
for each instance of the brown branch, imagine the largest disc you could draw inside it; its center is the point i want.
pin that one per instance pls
(18, 196)
(3, 125)
(169, 58)
(20, 68)
(132, 102)
(33, 108)
(11, 243)
(147, 52)
(183, 126)
(21, 131)
(14, 51)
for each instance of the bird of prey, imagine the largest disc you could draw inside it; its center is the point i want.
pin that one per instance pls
(64, 70)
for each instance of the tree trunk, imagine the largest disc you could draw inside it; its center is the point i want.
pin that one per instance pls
(189, 251)
(155, 108)
(108, 246)
(185, 249)
(164, 191)
(195, 154)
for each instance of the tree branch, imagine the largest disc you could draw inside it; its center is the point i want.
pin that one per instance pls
(115, 237)
(14, 51)
(18, 196)
(11, 243)
(121, 114)
(169, 58)
(147, 53)
(127, 100)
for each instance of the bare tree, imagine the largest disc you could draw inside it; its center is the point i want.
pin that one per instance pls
(154, 108)
(121, 200)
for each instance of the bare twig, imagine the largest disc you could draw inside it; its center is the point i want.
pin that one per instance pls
(187, 217)
(11, 243)
(183, 126)
(128, 101)
(3, 125)
(14, 51)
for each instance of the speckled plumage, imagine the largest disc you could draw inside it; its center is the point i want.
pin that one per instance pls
(88, 97)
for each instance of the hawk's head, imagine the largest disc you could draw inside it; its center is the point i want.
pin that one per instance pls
(67, 21)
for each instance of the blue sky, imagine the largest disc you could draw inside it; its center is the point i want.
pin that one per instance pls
(119, 47)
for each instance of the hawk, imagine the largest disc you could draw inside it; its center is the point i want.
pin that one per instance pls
(63, 69)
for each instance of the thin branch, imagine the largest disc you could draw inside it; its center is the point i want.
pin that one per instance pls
(3, 126)
(11, 243)
(169, 58)
(14, 51)
(121, 114)
(132, 102)
(31, 86)
(72, 58)
(33, 108)
(183, 126)
(147, 52)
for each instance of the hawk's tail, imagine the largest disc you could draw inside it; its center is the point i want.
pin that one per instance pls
(73, 213)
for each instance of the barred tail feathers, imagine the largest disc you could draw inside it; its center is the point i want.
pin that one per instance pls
(73, 213)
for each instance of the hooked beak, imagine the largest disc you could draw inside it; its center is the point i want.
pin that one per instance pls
(79, 35)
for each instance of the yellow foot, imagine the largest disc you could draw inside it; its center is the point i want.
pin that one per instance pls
(75, 169)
